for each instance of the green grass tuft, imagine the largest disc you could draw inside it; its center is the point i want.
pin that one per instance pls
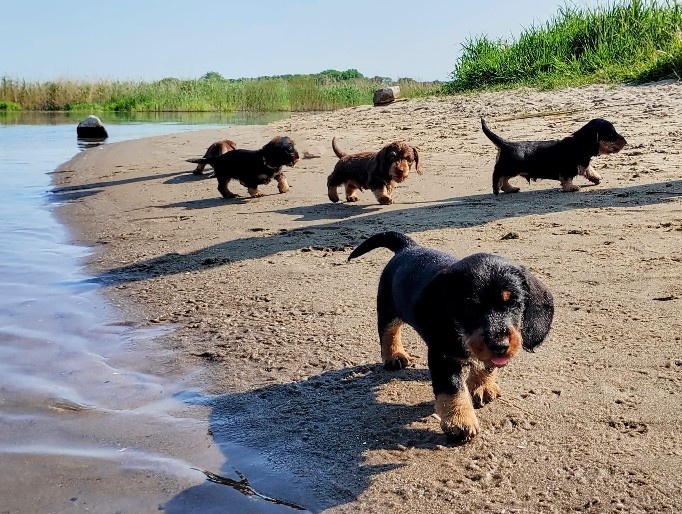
(633, 41)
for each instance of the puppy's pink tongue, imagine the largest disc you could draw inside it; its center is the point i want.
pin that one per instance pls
(500, 361)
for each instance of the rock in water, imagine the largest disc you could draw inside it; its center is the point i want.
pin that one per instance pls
(91, 127)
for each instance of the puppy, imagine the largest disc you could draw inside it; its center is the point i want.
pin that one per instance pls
(561, 159)
(216, 149)
(474, 314)
(379, 171)
(253, 167)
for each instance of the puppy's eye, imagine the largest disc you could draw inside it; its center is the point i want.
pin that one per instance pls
(392, 155)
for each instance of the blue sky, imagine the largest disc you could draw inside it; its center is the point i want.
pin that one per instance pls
(153, 39)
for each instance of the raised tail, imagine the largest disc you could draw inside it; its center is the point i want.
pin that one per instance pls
(497, 140)
(394, 241)
(338, 152)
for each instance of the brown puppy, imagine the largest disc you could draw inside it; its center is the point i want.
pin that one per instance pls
(216, 149)
(379, 171)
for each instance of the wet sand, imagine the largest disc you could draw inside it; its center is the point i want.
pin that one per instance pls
(259, 292)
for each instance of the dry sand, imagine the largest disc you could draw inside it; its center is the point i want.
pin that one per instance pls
(261, 291)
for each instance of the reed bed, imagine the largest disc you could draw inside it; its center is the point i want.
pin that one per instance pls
(209, 93)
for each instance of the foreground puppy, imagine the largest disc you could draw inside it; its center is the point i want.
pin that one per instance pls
(561, 159)
(379, 171)
(253, 167)
(216, 149)
(474, 314)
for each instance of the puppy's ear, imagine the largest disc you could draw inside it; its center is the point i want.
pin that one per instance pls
(538, 313)
(416, 160)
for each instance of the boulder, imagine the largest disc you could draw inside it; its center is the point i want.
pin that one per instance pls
(386, 95)
(91, 128)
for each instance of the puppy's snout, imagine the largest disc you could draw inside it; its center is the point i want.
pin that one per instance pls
(499, 346)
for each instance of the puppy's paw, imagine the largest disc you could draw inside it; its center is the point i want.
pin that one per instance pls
(283, 188)
(385, 200)
(511, 189)
(457, 417)
(352, 198)
(256, 194)
(569, 187)
(397, 361)
(230, 194)
(595, 179)
(485, 393)
(198, 172)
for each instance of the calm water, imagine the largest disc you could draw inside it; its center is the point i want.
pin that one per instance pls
(82, 426)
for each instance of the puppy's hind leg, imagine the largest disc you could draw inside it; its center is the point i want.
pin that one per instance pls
(393, 355)
(507, 187)
(222, 187)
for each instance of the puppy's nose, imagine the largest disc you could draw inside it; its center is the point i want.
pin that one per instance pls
(499, 346)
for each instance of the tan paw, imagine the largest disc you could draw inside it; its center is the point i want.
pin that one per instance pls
(485, 393)
(283, 188)
(461, 425)
(352, 198)
(397, 361)
(385, 200)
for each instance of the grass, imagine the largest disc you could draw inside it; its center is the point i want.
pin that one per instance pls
(633, 41)
(330, 89)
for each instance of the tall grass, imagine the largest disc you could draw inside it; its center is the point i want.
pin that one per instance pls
(632, 41)
(328, 90)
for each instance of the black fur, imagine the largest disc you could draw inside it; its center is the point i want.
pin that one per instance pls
(561, 159)
(473, 312)
(253, 168)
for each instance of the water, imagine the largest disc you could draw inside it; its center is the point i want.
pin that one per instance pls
(80, 425)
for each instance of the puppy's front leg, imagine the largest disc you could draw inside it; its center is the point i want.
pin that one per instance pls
(383, 195)
(253, 191)
(568, 186)
(482, 383)
(453, 402)
(590, 174)
(282, 184)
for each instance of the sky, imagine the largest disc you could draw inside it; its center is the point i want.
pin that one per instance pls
(42, 40)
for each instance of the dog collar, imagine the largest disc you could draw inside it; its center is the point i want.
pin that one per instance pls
(265, 163)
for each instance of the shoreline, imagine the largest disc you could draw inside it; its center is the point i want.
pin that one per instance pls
(260, 294)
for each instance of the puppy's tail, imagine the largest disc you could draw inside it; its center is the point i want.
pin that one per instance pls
(394, 241)
(338, 152)
(497, 140)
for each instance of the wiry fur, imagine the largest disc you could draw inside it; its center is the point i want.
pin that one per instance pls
(253, 168)
(216, 149)
(379, 171)
(474, 314)
(561, 159)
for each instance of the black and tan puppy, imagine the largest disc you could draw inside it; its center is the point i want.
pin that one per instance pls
(560, 159)
(379, 171)
(474, 314)
(216, 149)
(253, 168)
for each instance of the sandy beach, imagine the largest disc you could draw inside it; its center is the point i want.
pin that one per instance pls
(259, 292)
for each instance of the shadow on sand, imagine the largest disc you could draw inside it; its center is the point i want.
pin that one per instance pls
(348, 224)
(277, 437)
